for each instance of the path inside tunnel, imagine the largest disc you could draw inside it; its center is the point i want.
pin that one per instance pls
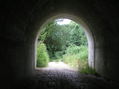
(66, 79)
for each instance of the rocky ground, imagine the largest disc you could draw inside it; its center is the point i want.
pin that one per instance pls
(66, 79)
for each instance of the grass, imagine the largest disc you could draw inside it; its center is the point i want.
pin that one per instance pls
(87, 70)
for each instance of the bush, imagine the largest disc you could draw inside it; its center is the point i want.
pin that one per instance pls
(76, 56)
(83, 53)
(42, 55)
(80, 51)
(72, 49)
(71, 60)
(59, 54)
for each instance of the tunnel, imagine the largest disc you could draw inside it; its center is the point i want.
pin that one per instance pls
(20, 23)
(87, 31)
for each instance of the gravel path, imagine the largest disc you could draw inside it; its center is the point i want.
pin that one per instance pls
(66, 79)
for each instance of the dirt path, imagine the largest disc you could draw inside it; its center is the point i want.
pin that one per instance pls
(58, 65)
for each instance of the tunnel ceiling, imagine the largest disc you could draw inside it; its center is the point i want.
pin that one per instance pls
(22, 14)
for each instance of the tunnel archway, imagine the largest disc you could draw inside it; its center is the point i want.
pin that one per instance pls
(94, 26)
(86, 29)
(20, 22)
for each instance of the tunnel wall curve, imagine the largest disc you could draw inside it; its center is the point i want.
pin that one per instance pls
(94, 17)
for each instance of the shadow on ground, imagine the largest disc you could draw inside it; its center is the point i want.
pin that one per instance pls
(65, 79)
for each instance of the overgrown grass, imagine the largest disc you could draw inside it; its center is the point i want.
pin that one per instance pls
(80, 65)
(71, 60)
(76, 56)
(88, 70)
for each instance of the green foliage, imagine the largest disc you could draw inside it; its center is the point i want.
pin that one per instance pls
(80, 51)
(59, 54)
(72, 49)
(78, 36)
(76, 56)
(67, 43)
(42, 55)
(87, 70)
(83, 54)
(59, 37)
(71, 60)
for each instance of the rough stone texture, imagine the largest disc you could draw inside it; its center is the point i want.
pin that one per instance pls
(66, 79)
(20, 21)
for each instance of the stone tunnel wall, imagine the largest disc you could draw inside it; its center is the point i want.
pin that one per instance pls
(20, 22)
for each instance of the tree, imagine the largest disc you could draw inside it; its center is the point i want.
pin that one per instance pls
(58, 37)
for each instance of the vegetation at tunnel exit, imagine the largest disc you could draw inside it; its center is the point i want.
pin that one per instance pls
(42, 55)
(63, 42)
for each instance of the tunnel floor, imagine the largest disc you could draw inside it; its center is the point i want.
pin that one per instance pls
(66, 79)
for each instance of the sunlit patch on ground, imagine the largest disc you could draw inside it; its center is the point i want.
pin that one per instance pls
(58, 65)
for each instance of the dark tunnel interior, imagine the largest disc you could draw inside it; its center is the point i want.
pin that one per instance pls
(19, 26)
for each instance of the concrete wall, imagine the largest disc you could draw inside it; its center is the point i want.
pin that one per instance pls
(20, 22)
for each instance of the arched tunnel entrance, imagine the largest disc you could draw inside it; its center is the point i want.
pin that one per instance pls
(85, 28)
(19, 25)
